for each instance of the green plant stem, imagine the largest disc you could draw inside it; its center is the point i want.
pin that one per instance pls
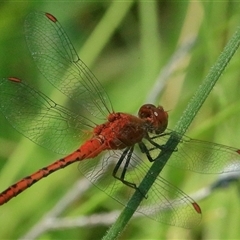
(181, 127)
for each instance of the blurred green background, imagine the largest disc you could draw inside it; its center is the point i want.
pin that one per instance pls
(126, 44)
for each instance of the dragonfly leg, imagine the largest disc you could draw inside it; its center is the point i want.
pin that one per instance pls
(127, 154)
(162, 146)
(146, 151)
(156, 145)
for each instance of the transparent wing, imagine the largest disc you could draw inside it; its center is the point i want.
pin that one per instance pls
(40, 119)
(198, 156)
(59, 62)
(164, 203)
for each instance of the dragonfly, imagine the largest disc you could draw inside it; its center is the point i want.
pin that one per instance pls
(114, 150)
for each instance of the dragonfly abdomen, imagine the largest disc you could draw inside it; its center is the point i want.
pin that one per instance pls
(89, 149)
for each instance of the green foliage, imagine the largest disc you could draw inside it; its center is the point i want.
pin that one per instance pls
(126, 45)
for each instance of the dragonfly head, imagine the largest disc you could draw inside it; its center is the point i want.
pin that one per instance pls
(156, 118)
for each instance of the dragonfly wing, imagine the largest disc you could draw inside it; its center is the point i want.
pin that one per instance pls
(206, 157)
(39, 118)
(198, 156)
(59, 62)
(164, 203)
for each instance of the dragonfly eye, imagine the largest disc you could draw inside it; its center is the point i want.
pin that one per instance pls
(155, 117)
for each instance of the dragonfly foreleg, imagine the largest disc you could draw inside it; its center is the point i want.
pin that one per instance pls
(146, 151)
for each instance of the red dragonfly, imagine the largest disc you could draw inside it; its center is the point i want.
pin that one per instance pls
(125, 137)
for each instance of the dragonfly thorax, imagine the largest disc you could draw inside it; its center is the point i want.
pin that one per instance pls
(121, 130)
